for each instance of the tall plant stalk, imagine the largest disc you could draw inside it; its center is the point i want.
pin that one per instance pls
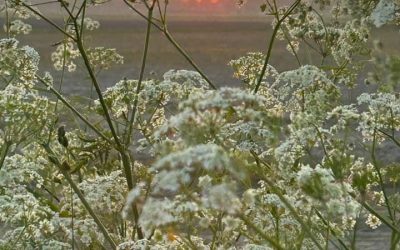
(141, 74)
(272, 40)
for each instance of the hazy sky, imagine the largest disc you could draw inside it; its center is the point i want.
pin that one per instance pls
(202, 8)
(190, 7)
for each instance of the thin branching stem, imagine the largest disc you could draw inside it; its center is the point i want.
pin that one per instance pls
(141, 74)
(133, 8)
(260, 232)
(64, 167)
(119, 146)
(5, 148)
(382, 185)
(292, 210)
(391, 137)
(65, 6)
(126, 162)
(370, 209)
(187, 57)
(381, 182)
(136, 102)
(83, 9)
(331, 230)
(164, 29)
(74, 110)
(96, 85)
(272, 41)
(48, 21)
(59, 87)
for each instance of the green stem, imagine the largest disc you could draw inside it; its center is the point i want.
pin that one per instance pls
(90, 210)
(331, 230)
(48, 21)
(4, 152)
(187, 57)
(260, 232)
(63, 168)
(135, 107)
(379, 216)
(271, 43)
(142, 15)
(83, 9)
(288, 205)
(277, 229)
(391, 137)
(74, 110)
(18, 238)
(119, 147)
(141, 75)
(395, 238)
(293, 212)
(97, 87)
(59, 89)
(43, 3)
(381, 183)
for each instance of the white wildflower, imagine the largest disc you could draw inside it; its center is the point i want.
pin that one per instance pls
(373, 221)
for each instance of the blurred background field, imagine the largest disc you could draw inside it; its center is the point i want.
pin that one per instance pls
(211, 41)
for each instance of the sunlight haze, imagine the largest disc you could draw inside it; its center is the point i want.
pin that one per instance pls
(184, 8)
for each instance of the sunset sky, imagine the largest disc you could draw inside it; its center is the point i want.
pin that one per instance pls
(191, 7)
(184, 8)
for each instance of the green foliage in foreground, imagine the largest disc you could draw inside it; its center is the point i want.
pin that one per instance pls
(278, 163)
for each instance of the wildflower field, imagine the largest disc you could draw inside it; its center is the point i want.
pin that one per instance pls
(303, 157)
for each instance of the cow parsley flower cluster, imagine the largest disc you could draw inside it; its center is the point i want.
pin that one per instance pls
(248, 68)
(17, 27)
(373, 221)
(102, 58)
(16, 14)
(64, 55)
(381, 117)
(343, 38)
(24, 115)
(18, 65)
(91, 24)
